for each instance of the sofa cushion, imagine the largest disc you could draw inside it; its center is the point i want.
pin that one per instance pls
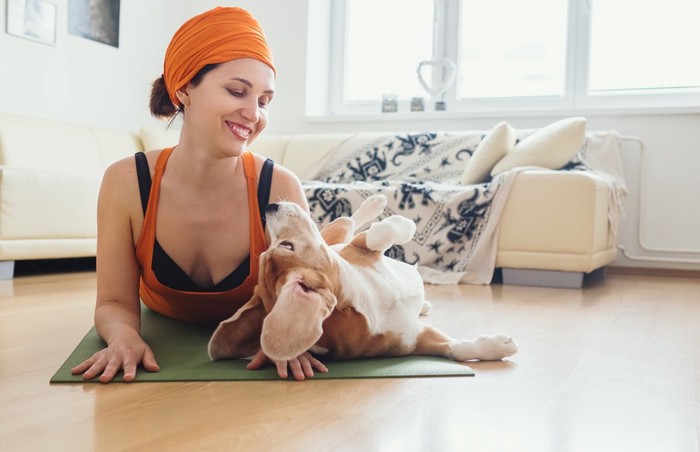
(159, 137)
(39, 204)
(44, 144)
(499, 141)
(552, 146)
(270, 146)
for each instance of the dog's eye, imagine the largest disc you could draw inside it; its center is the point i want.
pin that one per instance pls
(286, 244)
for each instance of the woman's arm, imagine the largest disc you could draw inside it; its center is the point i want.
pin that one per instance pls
(117, 309)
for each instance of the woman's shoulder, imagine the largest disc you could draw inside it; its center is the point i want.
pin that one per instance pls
(127, 165)
(285, 184)
(121, 176)
(279, 170)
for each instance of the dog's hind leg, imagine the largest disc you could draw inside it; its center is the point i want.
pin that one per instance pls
(486, 348)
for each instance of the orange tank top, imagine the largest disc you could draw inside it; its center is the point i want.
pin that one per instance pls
(197, 307)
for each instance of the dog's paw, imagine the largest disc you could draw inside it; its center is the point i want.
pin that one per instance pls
(426, 307)
(375, 203)
(394, 230)
(369, 209)
(495, 346)
(403, 229)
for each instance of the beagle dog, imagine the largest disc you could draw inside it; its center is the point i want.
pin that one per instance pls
(334, 293)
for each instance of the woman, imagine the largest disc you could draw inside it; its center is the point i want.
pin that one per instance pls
(182, 228)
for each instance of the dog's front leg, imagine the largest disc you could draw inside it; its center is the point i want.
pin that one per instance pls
(342, 230)
(394, 230)
(487, 348)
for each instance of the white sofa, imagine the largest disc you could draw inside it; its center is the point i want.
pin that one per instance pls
(554, 226)
(50, 174)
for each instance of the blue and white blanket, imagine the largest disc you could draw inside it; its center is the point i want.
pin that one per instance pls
(419, 174)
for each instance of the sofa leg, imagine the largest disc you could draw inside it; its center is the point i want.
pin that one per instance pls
(7, 270)
(542, 278)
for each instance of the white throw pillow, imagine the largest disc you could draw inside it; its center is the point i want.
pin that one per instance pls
(552, 146)
(497, 143)
(159, 138)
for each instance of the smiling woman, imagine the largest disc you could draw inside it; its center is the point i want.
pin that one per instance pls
(182, 228)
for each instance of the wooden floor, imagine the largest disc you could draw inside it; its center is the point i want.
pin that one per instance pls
(612, 367)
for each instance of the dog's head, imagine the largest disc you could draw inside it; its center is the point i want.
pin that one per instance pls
(294, 295)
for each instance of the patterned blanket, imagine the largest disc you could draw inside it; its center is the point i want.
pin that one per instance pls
(457, 225)
(419, 175)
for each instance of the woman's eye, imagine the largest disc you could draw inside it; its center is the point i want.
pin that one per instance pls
(233, 92)
(286, 244)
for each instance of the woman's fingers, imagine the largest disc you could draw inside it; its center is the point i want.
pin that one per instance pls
(108, 363)
(149, 361)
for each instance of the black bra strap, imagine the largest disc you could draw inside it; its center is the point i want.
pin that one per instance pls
(144, 176)
(264, 184)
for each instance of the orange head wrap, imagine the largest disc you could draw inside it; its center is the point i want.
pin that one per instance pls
(216, 36)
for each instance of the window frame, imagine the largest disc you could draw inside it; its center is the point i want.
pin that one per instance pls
(576, 99)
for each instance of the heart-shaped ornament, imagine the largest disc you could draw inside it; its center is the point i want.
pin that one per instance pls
(437, 87)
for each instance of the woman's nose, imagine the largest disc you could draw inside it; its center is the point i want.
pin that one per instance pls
(251, 112)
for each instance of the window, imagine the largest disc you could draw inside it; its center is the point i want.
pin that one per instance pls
(383, 47)
(659, 44)
(513, 56)
(521, 53)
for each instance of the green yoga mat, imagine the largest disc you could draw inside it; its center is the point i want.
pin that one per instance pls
(181, 352)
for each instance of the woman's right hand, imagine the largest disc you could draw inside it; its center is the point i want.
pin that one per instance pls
(123, 353)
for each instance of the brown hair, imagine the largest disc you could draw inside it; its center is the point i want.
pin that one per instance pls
(161, 105)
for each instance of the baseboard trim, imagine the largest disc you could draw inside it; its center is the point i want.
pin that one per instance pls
(644, 271)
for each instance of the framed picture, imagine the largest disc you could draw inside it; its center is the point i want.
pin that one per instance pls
(32, 19)
(95, 19)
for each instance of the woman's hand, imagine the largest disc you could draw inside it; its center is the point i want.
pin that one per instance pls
(302, 366)
(124, 353)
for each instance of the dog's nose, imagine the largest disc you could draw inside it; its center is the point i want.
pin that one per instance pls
(271, 208)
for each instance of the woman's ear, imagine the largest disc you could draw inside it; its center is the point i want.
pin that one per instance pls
(183, 96)
(239, 336)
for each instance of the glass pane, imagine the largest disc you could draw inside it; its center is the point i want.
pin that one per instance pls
(644, 45)
(511, 48)
(385, 41)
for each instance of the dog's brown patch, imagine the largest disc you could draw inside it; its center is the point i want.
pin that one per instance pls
(346, 335)
(357, 253)
(338, 231)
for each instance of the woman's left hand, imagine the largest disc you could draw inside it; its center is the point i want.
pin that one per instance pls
(302, 366)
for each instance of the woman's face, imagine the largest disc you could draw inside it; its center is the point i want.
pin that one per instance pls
(228, 108)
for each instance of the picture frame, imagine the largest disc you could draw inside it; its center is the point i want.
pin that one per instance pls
(97, 20)
(32, 19)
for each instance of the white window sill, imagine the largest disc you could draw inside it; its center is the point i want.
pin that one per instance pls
(437, 115)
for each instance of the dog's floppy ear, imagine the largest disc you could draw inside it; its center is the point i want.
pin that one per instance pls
(295, 322)
(239, 336)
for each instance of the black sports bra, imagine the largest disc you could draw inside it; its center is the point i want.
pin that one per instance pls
(165, 268)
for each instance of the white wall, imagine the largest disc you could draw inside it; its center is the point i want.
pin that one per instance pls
(80, 80)
(84, 81)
